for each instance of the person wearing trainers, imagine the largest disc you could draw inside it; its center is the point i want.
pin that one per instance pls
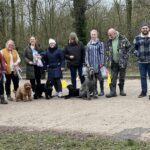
(2, 72)
(142, 51)
(117, 49)
(94, 57)
(12, 60)
(54, 59)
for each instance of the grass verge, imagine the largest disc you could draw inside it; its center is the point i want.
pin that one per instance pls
(25, 140)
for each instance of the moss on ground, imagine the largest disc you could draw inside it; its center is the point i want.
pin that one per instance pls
(23, 140)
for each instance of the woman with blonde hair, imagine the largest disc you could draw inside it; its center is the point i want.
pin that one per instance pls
(12, 60)
(75, 55)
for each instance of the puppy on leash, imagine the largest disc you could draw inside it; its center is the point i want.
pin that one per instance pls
(73, 92)
(88, 88)
(44, 88)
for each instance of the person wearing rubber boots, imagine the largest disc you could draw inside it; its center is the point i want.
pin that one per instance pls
(117, 52)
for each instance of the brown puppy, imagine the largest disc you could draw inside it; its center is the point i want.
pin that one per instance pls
(24, 93)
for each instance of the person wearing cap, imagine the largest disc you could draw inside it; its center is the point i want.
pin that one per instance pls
(142, 51)
(54, 59)
(12, 60)
(33, 71)
(74, 53)
(117, 53)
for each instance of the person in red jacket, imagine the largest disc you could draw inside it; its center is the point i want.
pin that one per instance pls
(2, 72)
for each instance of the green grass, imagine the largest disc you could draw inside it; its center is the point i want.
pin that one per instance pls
(22, 140)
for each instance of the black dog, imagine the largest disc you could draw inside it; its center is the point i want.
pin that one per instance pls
(73, 92)
(46, 88)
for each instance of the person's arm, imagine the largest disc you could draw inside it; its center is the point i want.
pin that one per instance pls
(87, 55)
(136, 52)
(18, 60)
(83, 53)
(62, 59)
(27, 60)
(107, 55)
(3, 63)
(66, 54)
(128, 45)
(101, 54)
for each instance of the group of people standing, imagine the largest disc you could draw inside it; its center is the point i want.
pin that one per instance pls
(113, 55)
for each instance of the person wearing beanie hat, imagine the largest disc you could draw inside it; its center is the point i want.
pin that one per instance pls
(142, 51)
(144, 24)
(54, 59)
(52, 41)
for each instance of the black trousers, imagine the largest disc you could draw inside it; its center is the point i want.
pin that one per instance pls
(57, 84)
(1, 86)
(15, 81)
(115, 71)
(35, 83)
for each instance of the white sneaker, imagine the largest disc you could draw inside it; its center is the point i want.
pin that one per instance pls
(59, 94)
(56, 94)
(9, 98)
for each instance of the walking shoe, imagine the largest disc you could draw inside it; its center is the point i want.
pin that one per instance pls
(56, 94)
(101, 93)
(122, 93)
(59, 94)
(3, 100)
(9, 98)
(142, 95)
(111, 95)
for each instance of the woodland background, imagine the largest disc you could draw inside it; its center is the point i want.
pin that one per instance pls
(19, 19)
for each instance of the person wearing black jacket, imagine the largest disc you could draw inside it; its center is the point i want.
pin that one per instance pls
(74, 53)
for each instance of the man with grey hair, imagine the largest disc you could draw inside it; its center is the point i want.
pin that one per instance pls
(95, 56)
(142, 51)
(117, 57)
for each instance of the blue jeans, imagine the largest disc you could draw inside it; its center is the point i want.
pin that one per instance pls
(144, 68)
(73, 71)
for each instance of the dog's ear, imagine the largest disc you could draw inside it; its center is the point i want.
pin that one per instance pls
(25, 85)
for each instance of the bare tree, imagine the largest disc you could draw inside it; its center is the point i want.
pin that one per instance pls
(80, 7)
(33, 10)
(13, 20)
(129, 17)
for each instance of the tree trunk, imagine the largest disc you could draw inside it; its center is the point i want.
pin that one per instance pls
(13, 20)
(33, 10)
(129, 17)
(80, 7)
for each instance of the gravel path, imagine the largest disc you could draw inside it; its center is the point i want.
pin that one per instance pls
(121, 117)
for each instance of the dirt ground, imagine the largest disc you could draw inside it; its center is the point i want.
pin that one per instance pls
(120, 117)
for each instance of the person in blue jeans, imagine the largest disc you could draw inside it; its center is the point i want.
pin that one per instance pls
(142, 51)
(74, 53)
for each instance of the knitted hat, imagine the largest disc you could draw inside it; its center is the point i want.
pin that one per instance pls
(52, 41)
(144, 24)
